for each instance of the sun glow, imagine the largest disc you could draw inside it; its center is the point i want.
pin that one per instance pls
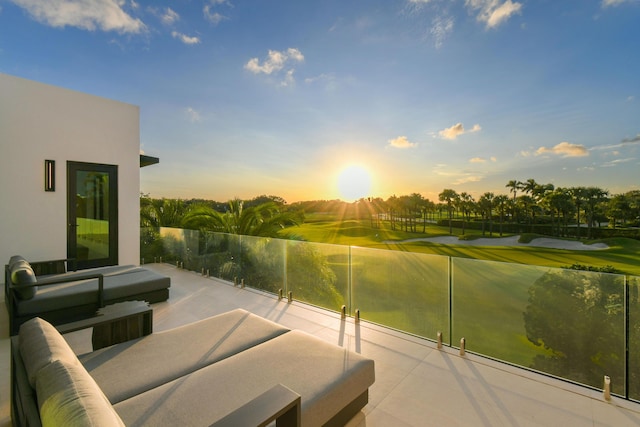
(354, 182)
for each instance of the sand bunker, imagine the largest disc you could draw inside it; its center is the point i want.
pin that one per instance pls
(541, 242)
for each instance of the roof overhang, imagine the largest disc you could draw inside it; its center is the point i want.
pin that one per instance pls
(148, 160)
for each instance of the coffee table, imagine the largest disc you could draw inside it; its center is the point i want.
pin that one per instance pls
(115, 323)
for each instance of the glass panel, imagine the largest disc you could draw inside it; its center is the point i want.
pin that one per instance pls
(402, 290)
(179, 245)
(634, 337)
(262, 262)
(219, 255)
(318, 273)
(92, 214)
(563, 322)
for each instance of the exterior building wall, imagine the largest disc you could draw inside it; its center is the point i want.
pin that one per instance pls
(38, 122)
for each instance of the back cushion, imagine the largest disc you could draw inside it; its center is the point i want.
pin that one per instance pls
(68, 396)
(41, 344)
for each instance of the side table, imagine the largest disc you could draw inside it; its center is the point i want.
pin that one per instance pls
(116, 323)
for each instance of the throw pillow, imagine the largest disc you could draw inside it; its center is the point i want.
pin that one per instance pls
(22, 275)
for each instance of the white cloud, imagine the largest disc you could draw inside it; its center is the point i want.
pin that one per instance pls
(441, 27)
(478, 160)
(456, 130)
(169, 16)
(276, 62)
(213, 17)
(184, 38)
(607, 3)
(401, 142)
(564, 149)
(106, 15)
(616, 162)
(493, 12)
(192, 115)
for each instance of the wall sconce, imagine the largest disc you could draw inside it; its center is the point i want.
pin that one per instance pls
(49, 175)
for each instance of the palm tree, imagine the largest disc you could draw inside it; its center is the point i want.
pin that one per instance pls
(579, 195)
(501, 201)
(595, 196)
(449, 196)
(263, 220)
(465, 202)
(486, 207)
(513, 186)
(162, 212)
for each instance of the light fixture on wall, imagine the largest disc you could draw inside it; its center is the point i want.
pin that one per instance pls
(49, 175)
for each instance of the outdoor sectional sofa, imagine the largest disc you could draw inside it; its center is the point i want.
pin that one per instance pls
(47, 290)
(203, 373)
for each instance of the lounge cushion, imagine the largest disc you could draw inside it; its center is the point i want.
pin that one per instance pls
(41, 344)
(326, 376)
(85, 292)
(22, 276)
(132, 367)
(68, 396)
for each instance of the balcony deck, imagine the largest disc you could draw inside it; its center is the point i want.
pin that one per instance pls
(416, 384)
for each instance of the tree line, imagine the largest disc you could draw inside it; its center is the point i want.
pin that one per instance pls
(527, 206)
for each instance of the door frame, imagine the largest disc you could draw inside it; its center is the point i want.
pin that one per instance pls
(72, 245)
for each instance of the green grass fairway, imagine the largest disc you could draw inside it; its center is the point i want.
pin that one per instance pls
(623, 253)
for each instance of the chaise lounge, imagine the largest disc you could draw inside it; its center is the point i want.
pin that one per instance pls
(204, 373)
(47, 290)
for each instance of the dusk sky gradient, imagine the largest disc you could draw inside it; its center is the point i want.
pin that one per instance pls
(243, 98)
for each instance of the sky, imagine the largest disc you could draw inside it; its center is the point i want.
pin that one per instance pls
(310, 100)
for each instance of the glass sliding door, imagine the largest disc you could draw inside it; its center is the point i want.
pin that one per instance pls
(92, 212)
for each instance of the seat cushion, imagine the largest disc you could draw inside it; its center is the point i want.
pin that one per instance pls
(132, 367)
(68, 396)
(141, 281)
(118, 284)
(326, 376)
(40, 345)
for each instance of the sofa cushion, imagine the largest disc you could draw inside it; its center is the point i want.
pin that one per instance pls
(22, 275)
(118, 284)
(140, 281)
(68, 396)
(326, 376)
(132, 367)
(41, 344)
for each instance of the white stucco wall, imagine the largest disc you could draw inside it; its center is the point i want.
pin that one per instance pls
(38, 122)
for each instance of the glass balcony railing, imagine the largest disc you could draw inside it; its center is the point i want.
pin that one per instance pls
(576, 325)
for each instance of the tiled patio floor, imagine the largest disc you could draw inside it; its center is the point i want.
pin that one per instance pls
(416, 384)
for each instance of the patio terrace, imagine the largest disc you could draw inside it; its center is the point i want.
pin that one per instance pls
(416, 384)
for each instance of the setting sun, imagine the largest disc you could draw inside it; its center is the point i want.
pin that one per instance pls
(354, 182)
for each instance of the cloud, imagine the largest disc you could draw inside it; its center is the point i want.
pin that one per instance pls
(564, 149)
(441, 27)
(456, 130)
(493, 12)
(276, 62)
(106, 15)
(631, 140)
(192, 115)
(184, 38)
(467, 179)
(401, 142)
(482, 160)
(607, 3)
(616, 162)
(211, 15)
(169, 17)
